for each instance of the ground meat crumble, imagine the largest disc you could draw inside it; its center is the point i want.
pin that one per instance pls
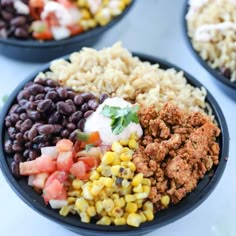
(177, 149)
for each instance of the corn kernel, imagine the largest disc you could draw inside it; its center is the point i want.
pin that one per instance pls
(116, 147)
(64, 211)
(120, 202)
(86, 193)
(124, 142)
(148, 206)
(127, 190)
(96, 188)
(138, 188)
(125, 183)
(149, 214)
(75, 193)
(138, 178)
(115, 170)
(91, 211)
(76, 184)
(100, 168)
(165, 200)
(146, 181)
(114, 196)
(143, 217)
(99, 207)
(107, 181)
(108, 157)
(123, 164)
(131, 207)
(141, 195)
(71, 200)
(134, 219)
(139, 202)
(85, 14)
(117, 212)
(82, 3)
(146, 189)
(81, 204)
(126, 173)
(125, 156)
(103, 17)
(130, 198)
(116, 161)
(127, 2)
(105, 220)
(108, 204)
(84, 217)
(134, 136)
(94, 175)
(102, 195)
(120, 221)
(131, 166)
(106, 171)
(133, 144)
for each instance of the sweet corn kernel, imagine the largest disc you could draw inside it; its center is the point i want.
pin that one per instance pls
(75, 193)
(123, 164)
(99, 207)
(100, 168)
(146, 189)
(127, 2)
(115, 170)
(134, 136)
(130, 198)
(94, 175)
(141, 195)
(125, 157)
(86, 193)
(76, 184)
(146, 181)
(124, 142)
(134, 219)
(127, 190)
(131, 166)
(125, 183)
(120, 221)
(91, 211)
(84, 217)
(109, 191)
(81, 204)
(149, 214)
(108, 157)
(102, 195)
(120, 202)
(107, 181)
(126, 173)
(82, 3)
(148, 206)
(143, 217)
(96, 188)
(85, 14)
(108, 204)
(138, 178)
(138, 188)
(116, 161)
(114, 196)
(103, 17)
(133, 144)
(117, 212)
(139, 203)
(116, 147)
(106, 171)
(131, 207)
(64, 211)
(105, 220)
(165, 200)
(71, 200)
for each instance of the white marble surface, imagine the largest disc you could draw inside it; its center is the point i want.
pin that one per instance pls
(153, 27)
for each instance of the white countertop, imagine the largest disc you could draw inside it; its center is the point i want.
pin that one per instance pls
(153, 27)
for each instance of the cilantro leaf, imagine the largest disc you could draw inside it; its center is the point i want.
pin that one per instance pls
(88, 147)
(120, 117)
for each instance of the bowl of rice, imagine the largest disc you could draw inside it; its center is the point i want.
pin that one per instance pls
(210, 31)
(167, 148)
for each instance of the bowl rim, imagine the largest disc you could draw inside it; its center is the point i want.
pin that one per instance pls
(180, 210)
(80, 38)
(214, 72)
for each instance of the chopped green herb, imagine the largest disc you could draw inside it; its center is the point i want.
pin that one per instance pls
(88, 147)
(120, 117)
(82, 136)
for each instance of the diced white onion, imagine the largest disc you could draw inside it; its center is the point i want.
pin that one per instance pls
(57, 204)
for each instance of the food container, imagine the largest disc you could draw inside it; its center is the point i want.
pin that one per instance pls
(214, 72)
(39, 51)
(173, 213)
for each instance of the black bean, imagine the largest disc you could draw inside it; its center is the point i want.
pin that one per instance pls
(21, 33)
(6, 15)
(71, 94)
(8, 123)
(75, 117)
(15, 169)
(54, 118)
(64, 121)
(14, 108)
(29, 145)
(23, 116)
(71, 126)
(24, 94)
(26, 137)
(12, 132)
(28, 84)
(57, 128)
(20, 110)
(31, 98)
(30, 105)
(18, 157)
(65, 133)
(39, 96)
(78, 100)
(3, 24)
(35, 89)
(34, 115)
(14, 118)
(62, 92)
(11, 31)
(17, 147)
(8, 146)
(20, 137)
(46, 129)
(32, 133)
(23, 102)
(103, 97)
(52, 83)
(7, 3)
(18, 21)
(87, 96)
(26, 125)
(44, 105)
(18, 124)
(26, 153)
(63, 108)
(80, 124)
(73, 135)
(88, 113)
(84, 107)
(33, 154)
(93, 104)
(55, 140)
(52, 95)
(40, 139)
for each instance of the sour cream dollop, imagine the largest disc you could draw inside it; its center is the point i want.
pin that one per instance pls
(98, 122)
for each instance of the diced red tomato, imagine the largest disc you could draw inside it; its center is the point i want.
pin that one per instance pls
(76, 147)
(89, 138)
(52, 19)
(65, 161)
(41, 30)
(45, 35)
(91, 162)
(36, 7)
(62, 195)
(75, 29)
(61, 176)
(64, 145)
(39, 165)
(53, 190)
(79, 169)
(39, 180)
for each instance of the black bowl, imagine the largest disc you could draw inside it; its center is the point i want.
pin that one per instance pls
(216, 73)
(189, 203)
(37, 51)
